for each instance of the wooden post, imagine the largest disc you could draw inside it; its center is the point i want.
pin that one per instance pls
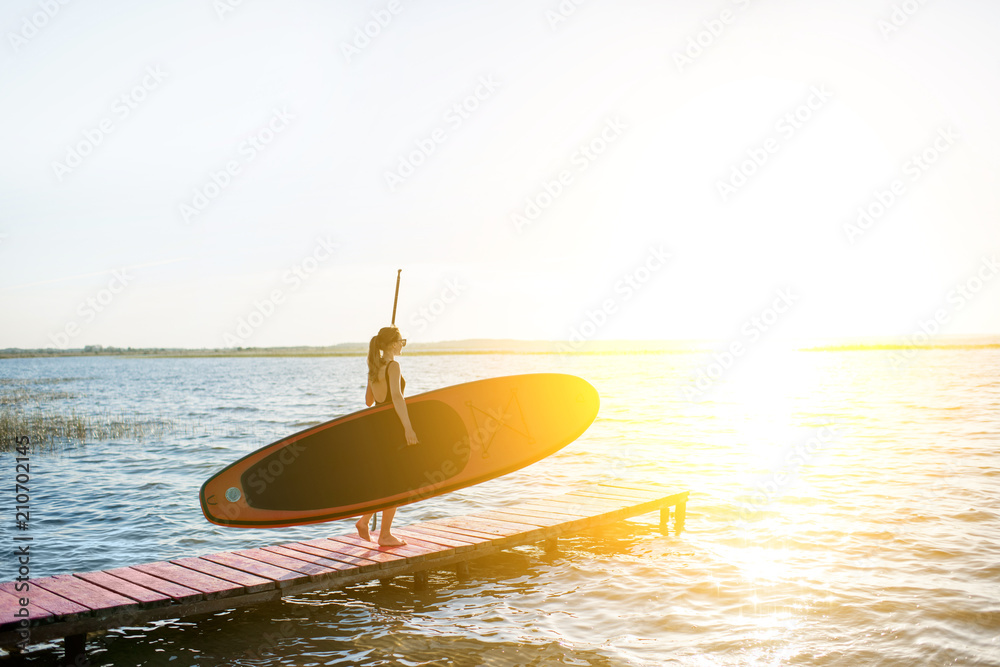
(15, 656)
(420, 580)
(462, 569)
(679, 514)
(76, 649)
(665, 519)
(552, 545)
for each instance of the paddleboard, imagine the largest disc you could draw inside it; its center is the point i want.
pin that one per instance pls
(360, 463)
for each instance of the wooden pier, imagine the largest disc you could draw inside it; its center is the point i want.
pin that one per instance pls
(71, 605)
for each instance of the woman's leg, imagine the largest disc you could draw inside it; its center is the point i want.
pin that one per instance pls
(362, 526)
(385, 537)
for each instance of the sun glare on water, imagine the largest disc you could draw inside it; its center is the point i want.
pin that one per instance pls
(761, 397)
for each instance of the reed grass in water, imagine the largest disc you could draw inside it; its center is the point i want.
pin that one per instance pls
(23, 412)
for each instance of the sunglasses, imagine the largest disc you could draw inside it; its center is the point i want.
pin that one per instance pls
(401, 340)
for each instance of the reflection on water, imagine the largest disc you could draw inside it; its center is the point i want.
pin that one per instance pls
(842, 512)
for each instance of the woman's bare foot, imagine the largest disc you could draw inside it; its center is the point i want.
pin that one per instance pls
(390, 540)
(362, 526)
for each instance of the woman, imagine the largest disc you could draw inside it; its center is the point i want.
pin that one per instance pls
(385, 379)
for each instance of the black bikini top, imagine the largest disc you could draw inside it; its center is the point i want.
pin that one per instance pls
(388, 390)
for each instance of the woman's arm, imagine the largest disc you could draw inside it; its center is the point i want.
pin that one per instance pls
(392, 377)
(369, 395)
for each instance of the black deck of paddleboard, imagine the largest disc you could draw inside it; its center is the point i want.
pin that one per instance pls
(331, 467)
(71, 605)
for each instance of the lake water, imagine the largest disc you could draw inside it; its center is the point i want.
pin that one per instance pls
(844, 510)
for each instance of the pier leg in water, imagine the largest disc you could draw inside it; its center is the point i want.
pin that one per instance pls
(15, 656)
(679, 514)
(665, 520)
(76, 649)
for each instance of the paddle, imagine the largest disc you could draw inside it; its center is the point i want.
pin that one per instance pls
(395, 299)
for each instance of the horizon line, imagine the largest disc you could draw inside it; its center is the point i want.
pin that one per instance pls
(523, 346)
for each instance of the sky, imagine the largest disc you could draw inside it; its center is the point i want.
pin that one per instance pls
(217, 173)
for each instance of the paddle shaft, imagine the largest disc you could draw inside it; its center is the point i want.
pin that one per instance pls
(395, 299)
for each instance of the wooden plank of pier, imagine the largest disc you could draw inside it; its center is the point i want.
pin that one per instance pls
(70, 605)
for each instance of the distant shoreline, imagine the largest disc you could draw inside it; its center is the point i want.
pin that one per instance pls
(487, 346)
(265, 352)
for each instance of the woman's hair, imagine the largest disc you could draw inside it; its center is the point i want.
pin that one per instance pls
(385, 337)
